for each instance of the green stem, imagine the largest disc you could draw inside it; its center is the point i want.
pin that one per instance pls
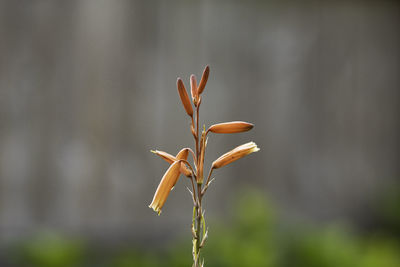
(200, 224)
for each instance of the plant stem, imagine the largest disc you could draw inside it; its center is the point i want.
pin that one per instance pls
(197, 239)
(197, 131)
(198, 214)
(207, 182)
(194, 190)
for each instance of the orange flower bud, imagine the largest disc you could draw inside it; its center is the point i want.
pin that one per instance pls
(203, 80)
(184, 97)
(235, 154)
(167, 183)
(231, 127)
(193, 87)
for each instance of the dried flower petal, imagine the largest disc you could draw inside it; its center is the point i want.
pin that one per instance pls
(184, 97)
(231, 127)
(235, 154)
(203, 80)
(167, 183)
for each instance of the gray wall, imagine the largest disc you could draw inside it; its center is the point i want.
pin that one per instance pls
(87, 88)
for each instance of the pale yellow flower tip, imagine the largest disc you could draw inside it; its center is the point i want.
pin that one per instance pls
(164, 188)
(155, 209)
(235, 154)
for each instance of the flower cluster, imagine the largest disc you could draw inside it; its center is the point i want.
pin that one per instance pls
(180, 165)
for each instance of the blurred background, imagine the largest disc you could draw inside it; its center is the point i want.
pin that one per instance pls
(87, 88)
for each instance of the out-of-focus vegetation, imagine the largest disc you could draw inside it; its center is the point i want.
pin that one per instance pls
(251, 236)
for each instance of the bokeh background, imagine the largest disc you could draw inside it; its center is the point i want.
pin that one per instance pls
(87, 88)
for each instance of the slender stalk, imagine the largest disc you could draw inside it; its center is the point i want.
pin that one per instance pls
(198, 207)
(188, 164)
(198, 237)
(197, 131)
(194, 157)
(194, 191)
(207, 182)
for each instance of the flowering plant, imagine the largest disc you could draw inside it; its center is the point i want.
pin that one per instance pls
(180, 165)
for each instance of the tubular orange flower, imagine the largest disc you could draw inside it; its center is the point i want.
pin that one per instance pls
(231, 127)
(235, 154)
(183, 154)
(193, 87)
(203, 80)
(167, 183)
(184, 97)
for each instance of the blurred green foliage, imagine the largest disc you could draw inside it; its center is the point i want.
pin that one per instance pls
(252, 236)
(388, 210)
(48, 250)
